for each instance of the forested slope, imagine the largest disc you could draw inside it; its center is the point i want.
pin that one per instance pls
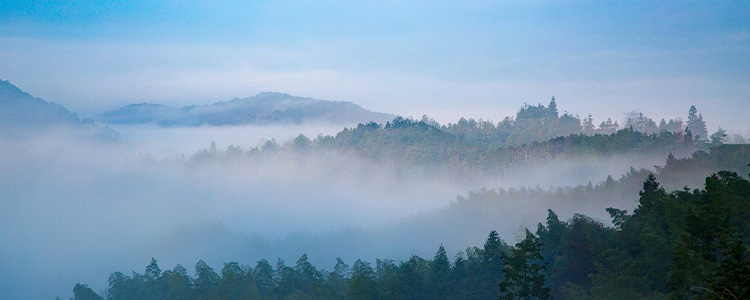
(687, 244)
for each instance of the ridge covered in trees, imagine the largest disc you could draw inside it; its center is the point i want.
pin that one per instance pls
(470, 150)
(407, 145)
(682, 244)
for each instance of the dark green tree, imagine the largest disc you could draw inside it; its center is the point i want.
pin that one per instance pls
(459, 277)
(153, 285)
(84, 292)
(153, 272)
(711, 260)
(264, 278)
(440, 280)
(363, 282)
(696, 125)
(178, 283)
(491, 268)
(338, 279)
(524, 271)
(236, 283)
(206, 281)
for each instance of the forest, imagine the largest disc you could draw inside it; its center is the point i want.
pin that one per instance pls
(683, 244)
(345, 150)
(689, 243)
(470, 150)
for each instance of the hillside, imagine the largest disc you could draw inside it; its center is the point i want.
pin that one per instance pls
(408, 146)
(22, 113)
(262, 109)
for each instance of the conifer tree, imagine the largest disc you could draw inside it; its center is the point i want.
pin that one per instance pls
(524, 271)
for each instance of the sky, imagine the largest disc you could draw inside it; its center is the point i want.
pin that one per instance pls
(447, 59)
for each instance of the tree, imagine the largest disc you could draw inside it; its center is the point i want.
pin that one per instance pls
(493, 248)
(306, 269)
(152, 270)
(178, 283)
(153, 286)
(608, 127)
(441, 268)
(362, 284)
(649, 194)
(206, 281)
(459, 277)
(553, 108)
(339, 277)
(717, 138)
(524, 271)
(236, 284)
(733, 273)
(84, 292)
(118, 286)
(411, 279)
(302, 142)
(588, 126)
(639, 122)
(264, 280)
(491, 267)
(696, 125)
(711, 260)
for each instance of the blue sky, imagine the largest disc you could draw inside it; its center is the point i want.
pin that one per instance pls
(479, 59)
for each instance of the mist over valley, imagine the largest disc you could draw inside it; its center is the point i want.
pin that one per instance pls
(261, 150)
(76, 206)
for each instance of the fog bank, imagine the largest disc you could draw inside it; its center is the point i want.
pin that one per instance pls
(75, 211)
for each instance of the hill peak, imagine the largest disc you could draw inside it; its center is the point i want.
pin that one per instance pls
(261, 109)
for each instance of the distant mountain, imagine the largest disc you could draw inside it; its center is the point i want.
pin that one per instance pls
(21, 113)
(264, 108)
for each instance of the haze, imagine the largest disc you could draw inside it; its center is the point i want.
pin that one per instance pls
(74, 209)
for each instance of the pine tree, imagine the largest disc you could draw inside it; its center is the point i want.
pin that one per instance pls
(717, 139)
(206, 281)
(696, 125)
(178, 283)
(553, 108)
(524, 271)
(440, 271)
(152, 270)
(264, 277)
(363, 282)
(588, 126)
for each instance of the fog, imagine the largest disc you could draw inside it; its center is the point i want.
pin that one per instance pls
(161, 142)
(72, 210)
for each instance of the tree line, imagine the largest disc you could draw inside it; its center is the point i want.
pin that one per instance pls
(409, 146)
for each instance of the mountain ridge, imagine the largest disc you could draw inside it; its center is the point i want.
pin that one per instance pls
(261, 109)
(22, 114)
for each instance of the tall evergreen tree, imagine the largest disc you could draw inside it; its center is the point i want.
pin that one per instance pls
(362, 284)
(696, 125)
(524, 271)
(206, 281)
(440, 281)
(264, 278)
(588, 125)
(553, 108)
(153, 271)
(178, 282)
